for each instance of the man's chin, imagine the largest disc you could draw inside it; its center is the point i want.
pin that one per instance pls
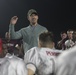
(34, 23)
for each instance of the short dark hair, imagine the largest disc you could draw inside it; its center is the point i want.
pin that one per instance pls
(63, 32)
(46, 38)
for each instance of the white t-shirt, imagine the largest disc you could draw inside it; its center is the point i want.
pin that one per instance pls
(66, 62)
(12, 65)
(41, 60)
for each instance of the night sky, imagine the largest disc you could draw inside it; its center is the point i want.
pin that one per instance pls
(55, 15)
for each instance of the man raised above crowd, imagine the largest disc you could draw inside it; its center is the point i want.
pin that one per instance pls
(30, 33)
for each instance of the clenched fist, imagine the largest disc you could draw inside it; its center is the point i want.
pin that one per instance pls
(13, 20)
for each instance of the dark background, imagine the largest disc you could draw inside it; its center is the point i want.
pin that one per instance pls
(55, 15)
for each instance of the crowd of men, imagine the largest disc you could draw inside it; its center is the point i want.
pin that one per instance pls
(32, 50)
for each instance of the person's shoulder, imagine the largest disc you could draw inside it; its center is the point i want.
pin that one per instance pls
(67, 55)
(32, 50)
(15, 59)
(31, 54)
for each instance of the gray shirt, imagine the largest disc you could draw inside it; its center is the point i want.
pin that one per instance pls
(29, 34)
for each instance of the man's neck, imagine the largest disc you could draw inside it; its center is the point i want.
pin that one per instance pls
(33, 24)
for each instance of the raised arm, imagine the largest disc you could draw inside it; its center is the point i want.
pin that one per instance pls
(14, 34)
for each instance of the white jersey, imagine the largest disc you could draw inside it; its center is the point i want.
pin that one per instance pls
(12, 65)
(3, 66)
(42, 59)
(66, 62)
(69, 43)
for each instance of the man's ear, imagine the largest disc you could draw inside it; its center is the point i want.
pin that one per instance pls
(39, 44)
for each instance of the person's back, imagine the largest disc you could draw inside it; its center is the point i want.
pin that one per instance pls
(43, 59)
(12, 65)
(17, 66)
(66, 62)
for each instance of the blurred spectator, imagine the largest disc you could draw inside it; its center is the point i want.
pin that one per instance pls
(69, 43)
(74, 38)
(13, 44)
(61, 43)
